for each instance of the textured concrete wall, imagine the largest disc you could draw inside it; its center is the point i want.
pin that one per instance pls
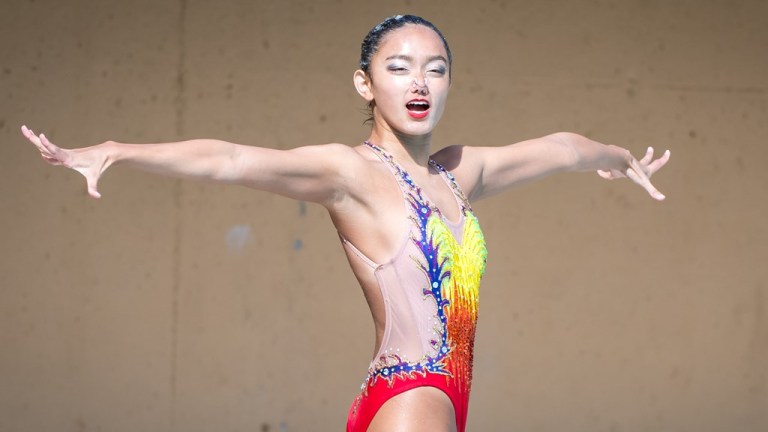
(173, 306)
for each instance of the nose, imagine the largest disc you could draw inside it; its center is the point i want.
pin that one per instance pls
(420, 88)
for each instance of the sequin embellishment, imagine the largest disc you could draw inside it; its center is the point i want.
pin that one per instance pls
(453, 271)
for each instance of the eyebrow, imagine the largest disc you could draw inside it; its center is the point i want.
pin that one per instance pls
(409, 58)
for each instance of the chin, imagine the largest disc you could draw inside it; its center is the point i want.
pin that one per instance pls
(421, 129)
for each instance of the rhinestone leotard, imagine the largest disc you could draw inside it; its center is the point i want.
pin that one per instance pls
(430, 291)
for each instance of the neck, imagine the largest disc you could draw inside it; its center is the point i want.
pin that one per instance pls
(406, 149)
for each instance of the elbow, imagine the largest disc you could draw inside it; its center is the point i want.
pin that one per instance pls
(567, 147)
(229, 166)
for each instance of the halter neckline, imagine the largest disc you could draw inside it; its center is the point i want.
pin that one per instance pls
(402, 173)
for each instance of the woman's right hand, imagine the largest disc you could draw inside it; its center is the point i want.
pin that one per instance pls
(91, 162)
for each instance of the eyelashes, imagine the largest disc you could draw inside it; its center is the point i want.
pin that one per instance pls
(398, 68)
(439, 71)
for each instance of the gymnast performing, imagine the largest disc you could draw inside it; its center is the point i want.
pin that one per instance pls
(402, 212)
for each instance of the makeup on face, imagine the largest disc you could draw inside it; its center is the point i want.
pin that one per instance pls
(410, 79)
(419, 74)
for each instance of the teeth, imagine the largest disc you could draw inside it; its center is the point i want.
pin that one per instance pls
(418, 103)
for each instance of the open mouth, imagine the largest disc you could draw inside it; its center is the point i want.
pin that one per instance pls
(417, 108)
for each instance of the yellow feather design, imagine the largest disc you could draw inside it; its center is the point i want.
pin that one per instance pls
(466, 264)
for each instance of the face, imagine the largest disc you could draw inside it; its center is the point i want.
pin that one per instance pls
(408, 82)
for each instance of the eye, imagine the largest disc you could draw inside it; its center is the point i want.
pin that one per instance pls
(396, 68)
(439, 71)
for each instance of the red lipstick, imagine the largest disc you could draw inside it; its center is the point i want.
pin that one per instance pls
(417, 108)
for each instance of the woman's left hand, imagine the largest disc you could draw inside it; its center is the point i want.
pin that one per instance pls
(640, 172)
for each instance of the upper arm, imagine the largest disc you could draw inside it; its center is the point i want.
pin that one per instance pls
(487, 171)
(311, 173)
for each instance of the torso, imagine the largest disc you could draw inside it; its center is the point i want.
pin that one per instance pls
(424, 238)
(373, 219)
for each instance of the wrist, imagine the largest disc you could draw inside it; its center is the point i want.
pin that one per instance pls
(111, 152)
(622, 158)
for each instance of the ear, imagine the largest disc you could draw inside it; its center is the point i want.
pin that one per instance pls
(363, 85)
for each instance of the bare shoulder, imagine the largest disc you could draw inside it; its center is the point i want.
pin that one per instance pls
(334, 159)
(354, 168)
(457, 158)
(463, 162)
(321, 173)
(328, 153)
(349, 159)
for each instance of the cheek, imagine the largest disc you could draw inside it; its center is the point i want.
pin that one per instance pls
(440, 95)
(401, 84)
(393, 91)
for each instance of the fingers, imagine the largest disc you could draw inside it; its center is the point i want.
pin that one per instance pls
(51, 160)
(48, 145)
(610, 174)
(92, 190)
(57, 156)
(649, 165)
(660, 162)
(26, 131)
(648, 156)
(28, 134)
(637, 175)
(640, 172)
(654, 193)
(48, 150)
(34, 139)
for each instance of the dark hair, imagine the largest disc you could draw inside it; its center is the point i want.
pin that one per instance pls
(373, 39)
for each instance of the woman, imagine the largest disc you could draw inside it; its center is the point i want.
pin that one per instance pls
(403, 214)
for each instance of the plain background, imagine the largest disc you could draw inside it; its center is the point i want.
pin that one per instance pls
(181, 306)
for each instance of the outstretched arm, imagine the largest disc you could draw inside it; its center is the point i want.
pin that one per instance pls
(491, 170)
(306, 173)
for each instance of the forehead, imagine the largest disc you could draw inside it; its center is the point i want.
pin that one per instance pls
(413, 40)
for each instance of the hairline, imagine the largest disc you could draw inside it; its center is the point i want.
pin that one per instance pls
(385, 36)
(411, 58)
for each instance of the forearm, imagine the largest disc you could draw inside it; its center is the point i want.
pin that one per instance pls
(589, 155)
(306, 173)
(203, 159)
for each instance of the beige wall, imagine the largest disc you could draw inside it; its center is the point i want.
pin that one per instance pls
(172, 306)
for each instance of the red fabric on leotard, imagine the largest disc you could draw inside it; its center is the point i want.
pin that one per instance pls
(365, 407)
(430, 291)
